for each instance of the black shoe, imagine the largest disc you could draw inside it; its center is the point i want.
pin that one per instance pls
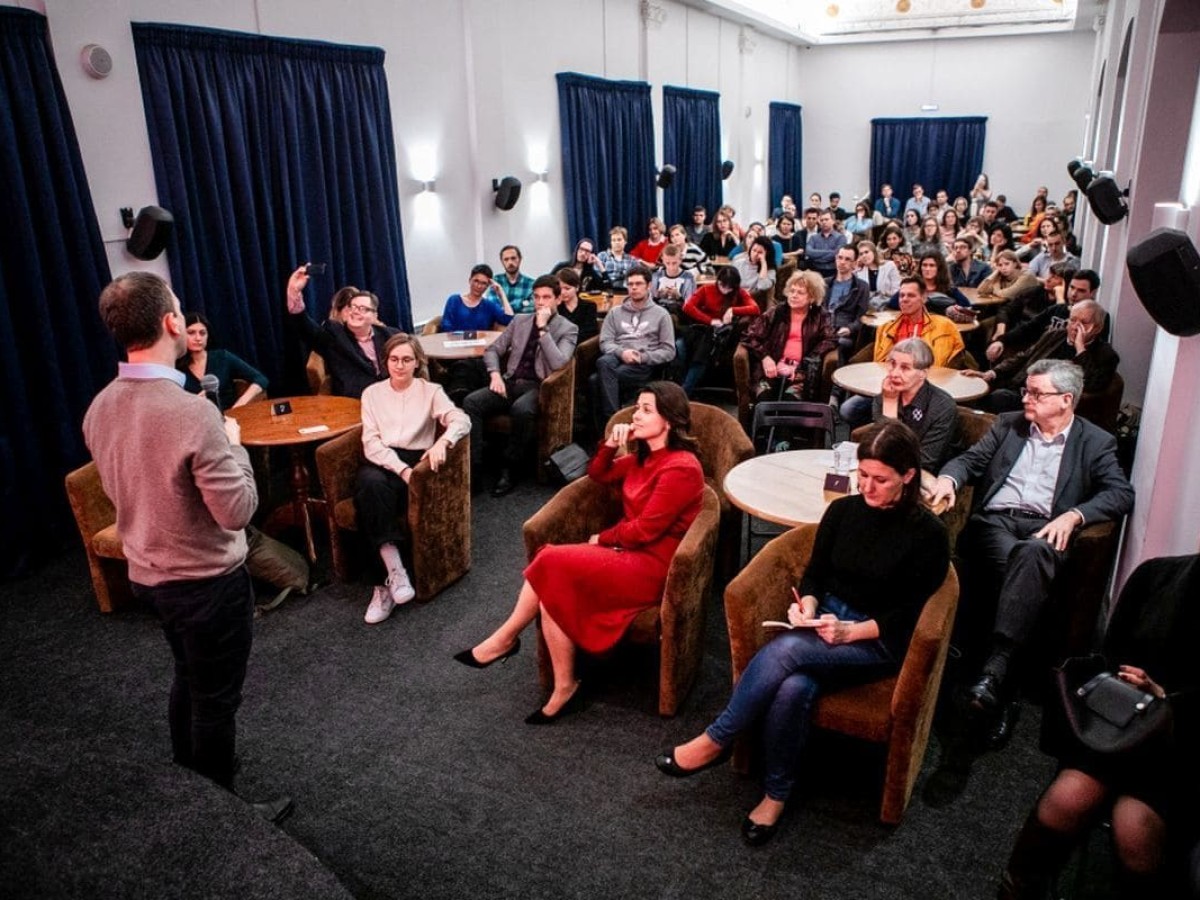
(1002, 730)
(504, 485)
(573, 704)
(467, 657)
(756, 835)
(984, 694)
(275, 811)
(667, 765)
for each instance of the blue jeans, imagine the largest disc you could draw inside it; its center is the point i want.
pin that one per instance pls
(781, 684)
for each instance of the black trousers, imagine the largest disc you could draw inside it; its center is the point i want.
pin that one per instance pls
(208, 624)
(1005, 553)
(521, 404)
(381, 501)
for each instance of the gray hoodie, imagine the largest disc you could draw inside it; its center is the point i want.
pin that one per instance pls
(647, 330)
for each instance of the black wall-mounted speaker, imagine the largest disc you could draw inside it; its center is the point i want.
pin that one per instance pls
(1165, 270)
(508, 192)
(150, 232)
(666, 176)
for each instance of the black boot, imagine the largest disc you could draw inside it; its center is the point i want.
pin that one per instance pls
(1039, 852)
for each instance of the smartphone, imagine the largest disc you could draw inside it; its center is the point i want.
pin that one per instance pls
(314, 269)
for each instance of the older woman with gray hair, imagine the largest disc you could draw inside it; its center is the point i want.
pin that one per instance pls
(907, 396)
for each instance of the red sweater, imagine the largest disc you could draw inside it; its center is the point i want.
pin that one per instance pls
(648, 252)
(708, 303)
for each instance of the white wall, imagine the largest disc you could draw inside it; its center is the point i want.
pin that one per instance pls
(474, 98)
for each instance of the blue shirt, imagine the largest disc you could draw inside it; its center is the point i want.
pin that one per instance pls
(889, 209)
(457, 316)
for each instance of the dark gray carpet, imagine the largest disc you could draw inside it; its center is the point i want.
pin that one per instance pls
(415, 777)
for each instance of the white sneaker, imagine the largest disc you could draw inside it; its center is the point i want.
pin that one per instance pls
(400, 587)
(381, 606)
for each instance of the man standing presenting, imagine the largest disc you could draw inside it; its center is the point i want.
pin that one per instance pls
(1040, 475)
(635, 337)
(184, 492)
(530, 349)
(517, 288)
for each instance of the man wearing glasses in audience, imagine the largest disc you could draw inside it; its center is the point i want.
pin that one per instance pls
(1039, 475)
(352, 348)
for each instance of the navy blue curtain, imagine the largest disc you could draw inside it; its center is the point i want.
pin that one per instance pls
(271, 152)
(607, 156)
(691, 143)
(935, 153)
(785, 153)
(54, 351)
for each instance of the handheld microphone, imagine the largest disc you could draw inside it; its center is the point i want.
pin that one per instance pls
(211, 385)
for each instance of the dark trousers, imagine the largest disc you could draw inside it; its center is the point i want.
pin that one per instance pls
(1004, 551)
(521, 405)
(209, 625)
(381, 501)
(463, 376)
(611, 378)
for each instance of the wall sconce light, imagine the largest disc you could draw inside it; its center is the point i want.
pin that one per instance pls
(428, 187)
(543, 177)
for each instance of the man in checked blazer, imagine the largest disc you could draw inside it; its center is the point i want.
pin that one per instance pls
(532, 347)
(1039, 476)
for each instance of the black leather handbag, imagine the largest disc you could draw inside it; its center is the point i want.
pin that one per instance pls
(1105, 713)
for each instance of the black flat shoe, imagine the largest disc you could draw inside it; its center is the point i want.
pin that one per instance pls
(504, 485)
(573, 705)
(756, 835)
(467, 657)
(1002, 729)
(985, 693)
(667, 765)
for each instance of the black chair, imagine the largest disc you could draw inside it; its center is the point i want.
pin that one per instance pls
(815, 419)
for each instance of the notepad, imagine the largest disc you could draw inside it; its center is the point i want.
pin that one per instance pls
(451, 345)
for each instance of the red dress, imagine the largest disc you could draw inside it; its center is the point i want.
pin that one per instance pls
(593, 591)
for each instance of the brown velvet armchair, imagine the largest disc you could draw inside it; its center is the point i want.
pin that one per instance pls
(745, 391)
(723, 444)
(97, 520)
(319, 381)
(896, 711)
(439, 511)
(584, 508)
(556, 416)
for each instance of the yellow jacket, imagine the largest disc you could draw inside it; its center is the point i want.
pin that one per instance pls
(937, 331)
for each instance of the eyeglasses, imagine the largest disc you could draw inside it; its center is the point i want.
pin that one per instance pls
(1038, 395)
(403, 360)
(363, 308)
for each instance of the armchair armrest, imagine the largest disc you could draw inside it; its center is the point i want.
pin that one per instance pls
(576, 512)
(915, 682)
(762, 591)
(556, 410)
(337, 466)
(741, 384)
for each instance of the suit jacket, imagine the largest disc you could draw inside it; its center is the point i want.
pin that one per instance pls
(850, 313)
(555, 347)
(1099, 361)
(1089, 479)
(350, 371)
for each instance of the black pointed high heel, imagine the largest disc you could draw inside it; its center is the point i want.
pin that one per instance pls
(574, 704)
(467, 657)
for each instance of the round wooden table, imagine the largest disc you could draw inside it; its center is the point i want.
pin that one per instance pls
(455, 344)
(867, 379)
(310, 421)
(602, 301)
(784, 488)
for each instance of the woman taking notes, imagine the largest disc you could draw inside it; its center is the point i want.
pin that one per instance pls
(877, 557)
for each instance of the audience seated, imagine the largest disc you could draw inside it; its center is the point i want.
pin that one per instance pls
(1055, 252)
(790, 241)
(401, 417)
(1081, 285)
(692, 257)
(861, 224)
(949, 223)
(877, 558)
(757, 266)
(637, 337)
(882, 276)
(650, 247)
(846, 298)
(472, 311)
(907, 396)
(578, 312)
(821, 247)
(788, 343)
(697, 228)
(1152, 795)
(980, 194)
(894, 249)
(672, 284)
(940, 294)
(965, 270)
(1011, 283)
(353, 348)
(587, 594)
(887, 205)
(918, 202)
(1079, 341)
(929, 240)
(754, 231)
(226, 366)
(586, 265)
(512, 286)
(531, 347)
(614, 264)
(714, 315)
(721, 239)
(1039, 476)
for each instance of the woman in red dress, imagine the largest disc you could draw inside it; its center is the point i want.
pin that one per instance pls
(588, 594)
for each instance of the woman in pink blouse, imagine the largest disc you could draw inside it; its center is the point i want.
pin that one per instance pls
(401, 417)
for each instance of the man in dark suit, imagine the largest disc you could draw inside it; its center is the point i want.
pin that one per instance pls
(1039, 476)
(1076, 338)
(531, 347)
(352, 348)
